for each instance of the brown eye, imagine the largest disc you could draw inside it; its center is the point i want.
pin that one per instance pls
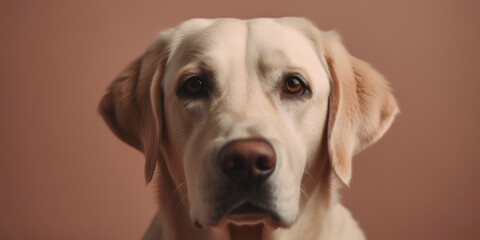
(293, 85)
(193, 86)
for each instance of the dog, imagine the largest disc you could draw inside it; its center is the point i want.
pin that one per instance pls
(251, 125)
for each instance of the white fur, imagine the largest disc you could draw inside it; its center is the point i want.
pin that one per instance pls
(248, 60)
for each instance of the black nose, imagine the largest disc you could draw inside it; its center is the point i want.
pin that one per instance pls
(247, 161)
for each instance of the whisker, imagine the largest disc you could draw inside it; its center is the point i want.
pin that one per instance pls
(177, 191)
(182, 197)
(302, 189)
(311, 177)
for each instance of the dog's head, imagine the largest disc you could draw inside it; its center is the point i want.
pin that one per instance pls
(238, 112)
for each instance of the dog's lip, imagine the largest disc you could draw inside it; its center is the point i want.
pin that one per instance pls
(246, 214)
(247, 208)
(249, 214)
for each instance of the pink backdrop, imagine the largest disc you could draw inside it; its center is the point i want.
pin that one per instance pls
(63, 174)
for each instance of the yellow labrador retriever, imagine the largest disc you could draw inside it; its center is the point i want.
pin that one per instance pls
(252, 125)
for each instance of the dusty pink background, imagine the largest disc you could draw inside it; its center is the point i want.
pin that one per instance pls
(63, 174)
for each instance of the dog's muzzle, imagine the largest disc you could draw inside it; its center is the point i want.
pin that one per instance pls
(247, 164)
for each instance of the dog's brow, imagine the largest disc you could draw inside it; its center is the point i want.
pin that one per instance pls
(194, 57)
(271, 61)
(206, 65)
(266, 67)
(200, 66)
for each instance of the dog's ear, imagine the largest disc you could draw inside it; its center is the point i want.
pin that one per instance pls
(361, 105)
(132, 106)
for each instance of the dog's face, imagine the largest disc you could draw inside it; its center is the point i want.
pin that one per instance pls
(228, 81)
(236, 112)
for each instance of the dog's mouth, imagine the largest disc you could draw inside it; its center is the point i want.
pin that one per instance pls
(247, 208)
(248, 213)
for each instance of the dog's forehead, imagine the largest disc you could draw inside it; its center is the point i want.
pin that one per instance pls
(220, 38)
(241, 47)
(208, 39)
(273, 43)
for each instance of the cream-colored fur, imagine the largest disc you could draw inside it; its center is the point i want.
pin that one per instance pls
(347, 106)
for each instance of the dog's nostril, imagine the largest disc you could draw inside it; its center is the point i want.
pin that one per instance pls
(198, 225)
(264, 163)
(247, 161)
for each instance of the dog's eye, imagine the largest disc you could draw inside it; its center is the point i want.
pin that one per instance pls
(293, 85)
(193, 86)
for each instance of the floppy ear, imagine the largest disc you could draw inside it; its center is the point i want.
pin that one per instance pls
(361, 106)
(132, 106)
